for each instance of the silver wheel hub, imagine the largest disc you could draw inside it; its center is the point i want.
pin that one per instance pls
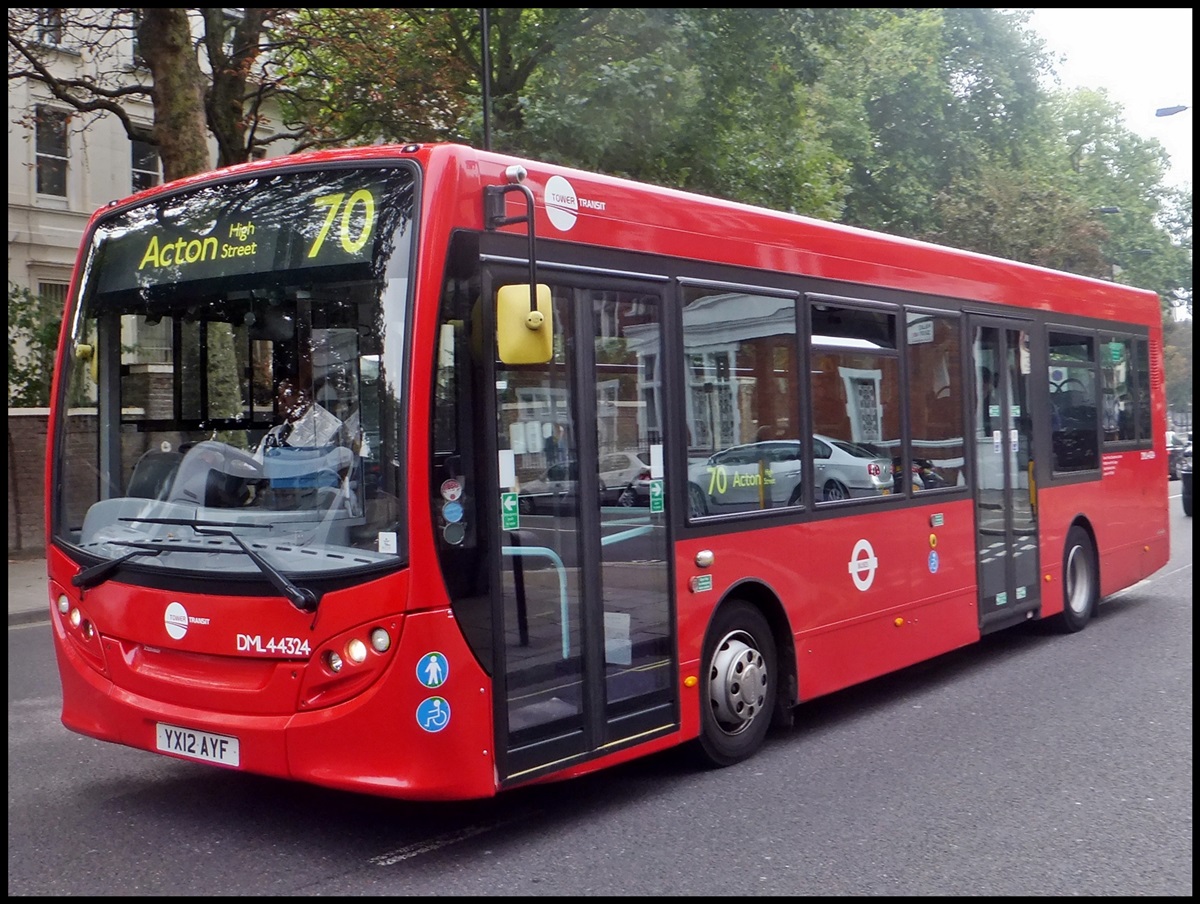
(1079, 581)
(737, 684)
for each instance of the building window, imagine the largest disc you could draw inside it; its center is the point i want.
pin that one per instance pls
(136, 43)
(50, 27)
(145, 164)
(51, 152)
(54, 295)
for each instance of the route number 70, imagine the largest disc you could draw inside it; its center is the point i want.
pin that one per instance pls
(350, 242)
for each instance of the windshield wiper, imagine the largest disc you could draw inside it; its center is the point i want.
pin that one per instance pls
(189, 522)
(302, 598)
(99, 573)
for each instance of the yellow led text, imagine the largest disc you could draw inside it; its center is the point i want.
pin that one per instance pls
(182, 252)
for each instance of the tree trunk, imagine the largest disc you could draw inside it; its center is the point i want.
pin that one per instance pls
(180, 124)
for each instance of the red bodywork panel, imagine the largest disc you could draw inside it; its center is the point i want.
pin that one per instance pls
(369, 740)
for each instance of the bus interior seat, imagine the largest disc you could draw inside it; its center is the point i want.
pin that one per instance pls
(214, 474)
(153, 473)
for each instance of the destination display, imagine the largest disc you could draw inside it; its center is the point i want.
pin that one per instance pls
(289, 222)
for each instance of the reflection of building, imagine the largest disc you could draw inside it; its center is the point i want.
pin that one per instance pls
(627, 385)
(723, 396)
(63, 165)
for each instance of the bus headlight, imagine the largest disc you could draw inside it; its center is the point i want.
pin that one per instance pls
(347, 664)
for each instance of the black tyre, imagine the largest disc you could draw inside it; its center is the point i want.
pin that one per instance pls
(738, 690)
(627, 498)
(834, 490)
(1081, 583)
(696, 502)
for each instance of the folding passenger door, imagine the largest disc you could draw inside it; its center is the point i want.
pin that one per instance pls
(582, 604)
(1005, 494)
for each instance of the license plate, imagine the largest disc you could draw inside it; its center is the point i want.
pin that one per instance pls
(198, 745)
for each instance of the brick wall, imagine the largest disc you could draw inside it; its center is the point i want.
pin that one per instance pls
(26, 481)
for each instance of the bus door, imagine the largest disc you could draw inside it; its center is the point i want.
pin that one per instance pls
(1005, 492)
(585, 643)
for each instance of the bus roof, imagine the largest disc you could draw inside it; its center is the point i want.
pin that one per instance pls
(607, 211)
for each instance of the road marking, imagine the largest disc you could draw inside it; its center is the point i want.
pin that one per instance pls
(437, 843)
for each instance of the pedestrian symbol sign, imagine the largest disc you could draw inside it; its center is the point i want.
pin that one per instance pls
(433, 670)
(510, 515)
(656, 496)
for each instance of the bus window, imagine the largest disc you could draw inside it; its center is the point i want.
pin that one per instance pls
(741, 393)
(935, 387)
(855, 397)
(1141, 374)
(1119, 381)
(194, 311)
(1075, 412)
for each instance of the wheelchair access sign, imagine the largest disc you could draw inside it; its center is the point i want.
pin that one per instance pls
(433, 714)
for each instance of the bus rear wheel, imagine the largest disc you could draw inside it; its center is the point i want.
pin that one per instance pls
(739, 687)
(1081, 584)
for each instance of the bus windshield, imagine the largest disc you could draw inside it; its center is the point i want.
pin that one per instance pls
(234, 382)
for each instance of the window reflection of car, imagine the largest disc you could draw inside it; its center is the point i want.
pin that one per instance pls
(624, 479)
(1185, 476)
(551, 490)
(746, 478)
(846, 470)
(1175, 447)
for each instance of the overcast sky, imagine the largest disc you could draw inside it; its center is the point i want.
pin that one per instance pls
(1142, 57)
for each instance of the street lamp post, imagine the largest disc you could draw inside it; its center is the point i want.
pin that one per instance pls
(485, 76)
(1119, 264)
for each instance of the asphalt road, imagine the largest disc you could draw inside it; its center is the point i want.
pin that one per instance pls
(1029, 764)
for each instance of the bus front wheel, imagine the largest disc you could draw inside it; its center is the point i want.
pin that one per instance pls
(739, 687)
(1081, 584)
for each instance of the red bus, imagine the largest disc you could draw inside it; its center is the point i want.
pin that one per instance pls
(575, 469)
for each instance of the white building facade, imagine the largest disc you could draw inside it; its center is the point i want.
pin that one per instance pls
(62, 164)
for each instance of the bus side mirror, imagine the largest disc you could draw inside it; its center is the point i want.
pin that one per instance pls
(88, 353)
(524, 334)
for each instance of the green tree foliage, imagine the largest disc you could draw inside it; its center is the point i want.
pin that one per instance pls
(710, 100)
(940, 94)
(1005, 213)
(923, 122)
(360, 75)
(1177, 362)
(33, 326)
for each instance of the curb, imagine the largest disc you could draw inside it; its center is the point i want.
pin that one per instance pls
(29, 617)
